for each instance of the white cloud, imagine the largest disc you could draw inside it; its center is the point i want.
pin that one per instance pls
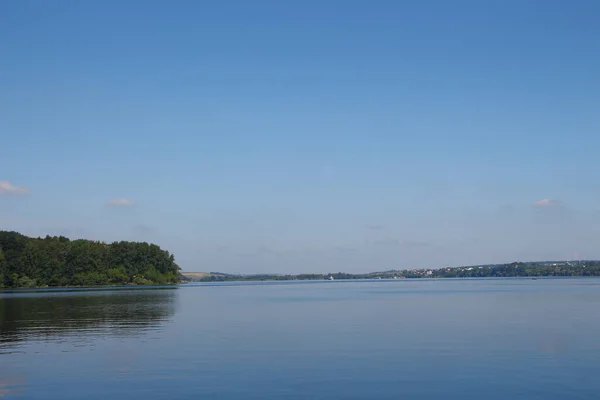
(142, 230)
(547, 203)
(7, 189)
(120, 203)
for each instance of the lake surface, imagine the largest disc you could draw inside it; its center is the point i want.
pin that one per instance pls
(403, 339)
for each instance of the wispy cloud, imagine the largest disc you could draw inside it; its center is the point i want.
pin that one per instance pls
(375, 227)
(142, 230)
(412, 243)
(399, 243)
(8, 189)
(120, 203)
(545, 203)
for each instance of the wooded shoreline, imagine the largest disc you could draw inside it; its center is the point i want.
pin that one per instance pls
(56, 261)
(517, 269)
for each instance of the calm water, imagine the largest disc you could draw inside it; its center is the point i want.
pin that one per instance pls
(428, 339)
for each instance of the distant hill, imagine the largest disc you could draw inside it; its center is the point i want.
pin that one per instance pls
(206, 276)
(515, 269)
(195, 276)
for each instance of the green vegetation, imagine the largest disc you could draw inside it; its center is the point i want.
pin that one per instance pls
(58, 261)
(516, 269)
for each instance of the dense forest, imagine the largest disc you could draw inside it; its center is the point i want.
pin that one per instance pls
(516, 269)
(58, 261)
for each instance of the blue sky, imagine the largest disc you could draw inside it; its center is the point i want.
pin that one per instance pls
(274, 136)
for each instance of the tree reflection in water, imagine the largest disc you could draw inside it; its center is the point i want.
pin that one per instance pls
(85, 315)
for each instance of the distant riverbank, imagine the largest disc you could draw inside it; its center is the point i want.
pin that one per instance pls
(516, 269)
(63, 263)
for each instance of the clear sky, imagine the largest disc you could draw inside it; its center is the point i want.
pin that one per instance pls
(305, 136)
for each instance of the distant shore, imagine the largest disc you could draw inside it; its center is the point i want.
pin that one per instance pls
(84, 288)
(532, 269)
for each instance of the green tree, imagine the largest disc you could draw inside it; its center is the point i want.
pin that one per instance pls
(3, 269)
(118, 276)
(57, 261)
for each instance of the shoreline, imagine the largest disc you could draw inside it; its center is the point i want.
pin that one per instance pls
(210, 283)
(533, 269)
(87, 288)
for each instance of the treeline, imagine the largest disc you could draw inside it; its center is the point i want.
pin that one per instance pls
(58, 261)
(519, 269)
(222, 277)
(516, 269)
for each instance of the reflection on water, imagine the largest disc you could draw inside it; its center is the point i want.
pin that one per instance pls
(66, 316)
(429, 339)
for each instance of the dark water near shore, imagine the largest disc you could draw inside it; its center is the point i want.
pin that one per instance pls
(422, 339)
